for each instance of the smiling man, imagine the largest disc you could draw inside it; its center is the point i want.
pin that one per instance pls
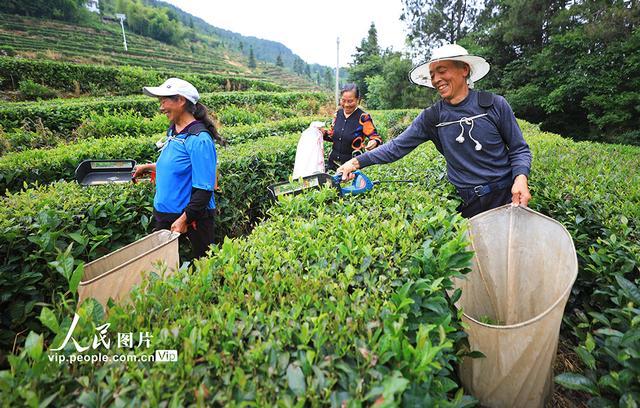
(488, 160)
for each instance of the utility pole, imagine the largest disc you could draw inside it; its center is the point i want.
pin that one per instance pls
(123, 17)
(337, 71)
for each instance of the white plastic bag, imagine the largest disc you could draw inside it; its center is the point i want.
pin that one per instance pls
(310, 152)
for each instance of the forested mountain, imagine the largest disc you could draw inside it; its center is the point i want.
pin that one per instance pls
(264, 50)
(173, 26)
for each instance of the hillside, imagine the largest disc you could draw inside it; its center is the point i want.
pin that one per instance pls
(102, 44)
(264, 50)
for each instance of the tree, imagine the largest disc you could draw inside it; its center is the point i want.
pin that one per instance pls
(151, 21)
(298, 65)
(307, 70)
(433, 23)
(391, 89)
(368, 46)
(66, 10)
(252, 58)
(279, 61)
(328, 78)
(570, 66)
(367, 60)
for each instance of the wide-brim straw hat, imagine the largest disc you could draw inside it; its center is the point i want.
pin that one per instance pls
(479, 66)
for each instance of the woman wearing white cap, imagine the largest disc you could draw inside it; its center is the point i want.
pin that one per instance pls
(186, 168)
(488, 160)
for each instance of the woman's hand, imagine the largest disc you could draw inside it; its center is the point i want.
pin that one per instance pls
(141, 169)
(180, 225)
(371, 145)
(520, 194)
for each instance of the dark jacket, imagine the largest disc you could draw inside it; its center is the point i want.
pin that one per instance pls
(480, 145)
(350, 136)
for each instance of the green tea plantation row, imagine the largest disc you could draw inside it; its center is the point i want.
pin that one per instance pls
(112, 80)
(40, 222)
(590, 189)
(103, 45)
(99, 219)
(130, 140)
(67, 114)
(264, 357)
(260, 280)
(33, 134)
(322, 304)
(42, 39)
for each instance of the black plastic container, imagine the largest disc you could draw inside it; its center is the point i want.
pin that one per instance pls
(97, 172)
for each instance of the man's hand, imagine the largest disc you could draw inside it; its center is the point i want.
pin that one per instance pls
(371, 145)
(348, 168)
(520, 194)
(180, 225)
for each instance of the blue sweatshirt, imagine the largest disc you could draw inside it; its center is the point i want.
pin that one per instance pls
(503, 151)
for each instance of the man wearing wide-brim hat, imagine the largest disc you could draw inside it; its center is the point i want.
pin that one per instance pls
(488, 160)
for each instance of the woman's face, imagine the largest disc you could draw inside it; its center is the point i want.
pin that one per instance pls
(349, 102)
(173, 107)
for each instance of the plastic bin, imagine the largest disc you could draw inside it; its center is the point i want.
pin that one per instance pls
(113, 275)
(513, 301)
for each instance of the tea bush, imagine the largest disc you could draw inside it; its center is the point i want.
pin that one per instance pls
(591, 189)
(45, 166)
(38, 223)
(132, 123)
(5, 145)
(251, 321)
(21, 140)
(260, 113)
(393, 122)
(609, 344)
(101, 80)
(67, 114)
(7, 50)
(128, 124)
(19, 170)
(31, 91)
(32, 135)
(323, 304)
(44, 220)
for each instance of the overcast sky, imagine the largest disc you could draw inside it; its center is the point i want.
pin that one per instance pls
(308, 28)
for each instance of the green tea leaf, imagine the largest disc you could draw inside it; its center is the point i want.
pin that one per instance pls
(586, 357)
(33, 345)
(629, 289)
(577, 382)
(296, 380)
(49, 320)
(75, 278)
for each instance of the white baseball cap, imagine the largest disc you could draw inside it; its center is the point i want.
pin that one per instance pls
(479, 66)
(173, 86)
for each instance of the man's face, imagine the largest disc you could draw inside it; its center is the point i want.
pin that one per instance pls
(449, 79)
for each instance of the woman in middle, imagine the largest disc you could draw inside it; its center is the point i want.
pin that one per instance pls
(352, 131)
